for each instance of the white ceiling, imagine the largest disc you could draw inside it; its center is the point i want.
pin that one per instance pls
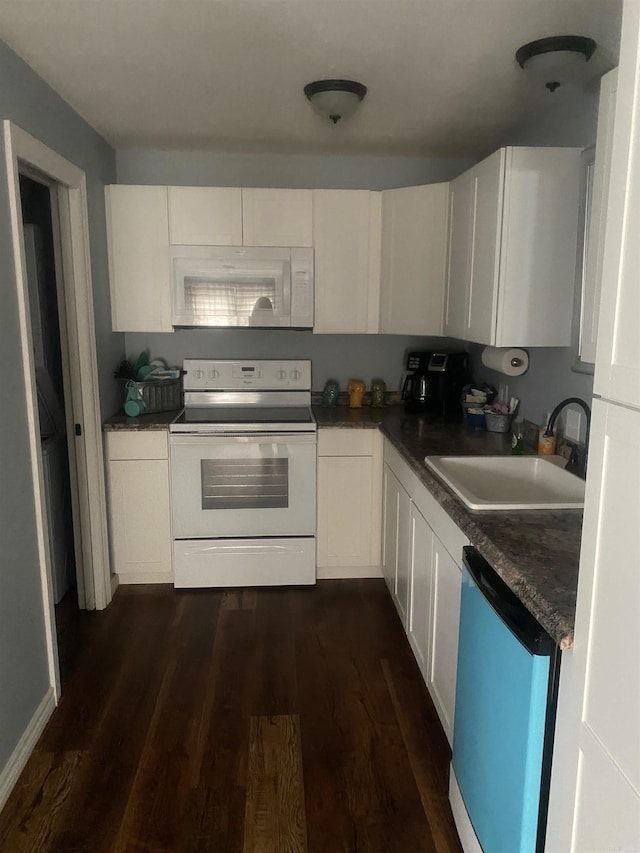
(229, 74)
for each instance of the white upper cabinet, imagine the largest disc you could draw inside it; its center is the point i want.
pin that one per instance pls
(414, 259)
(475, 212)
(205, 216)
(513, 249)
(275, 217)
(460, 242)
(486, 197)
(617, 374)
(346, 241)
(596, 219)
(139, 270)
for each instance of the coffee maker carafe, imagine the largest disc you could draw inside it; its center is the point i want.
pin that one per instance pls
(434, 383)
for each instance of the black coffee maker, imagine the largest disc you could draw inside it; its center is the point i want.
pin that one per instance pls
(434, 383)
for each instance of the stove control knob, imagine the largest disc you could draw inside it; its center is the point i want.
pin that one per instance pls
(214, 374)
(281, 374)
(295, 375)
(198, 374)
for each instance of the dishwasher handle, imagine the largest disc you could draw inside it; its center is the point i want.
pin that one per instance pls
(507, 606)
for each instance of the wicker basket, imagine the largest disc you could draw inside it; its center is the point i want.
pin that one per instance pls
(495, 422)
(160, 395)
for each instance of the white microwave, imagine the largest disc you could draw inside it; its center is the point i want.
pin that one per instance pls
(234, 286)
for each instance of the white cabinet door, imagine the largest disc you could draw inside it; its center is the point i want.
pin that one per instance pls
(349, 503)
(461, 198)
(403, 570)
(419, 625)
(617, 374)
(538, 247)
(390, 517)
(413, 259)
(487, 187)
(139, 510)
(344, 510)
(607, 648)
(346, 242)
(139, 274)
(597, 219)
(396, 547)
(205, 216)
(275, 217)
(445, 621)
(513, 243)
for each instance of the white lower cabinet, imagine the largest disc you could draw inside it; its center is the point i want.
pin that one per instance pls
(396, 532)
(349, 499)
(446, 579)
(139, 510)
(422, 564)
(419, 630)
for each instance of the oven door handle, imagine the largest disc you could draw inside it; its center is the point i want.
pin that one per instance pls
(200, 440)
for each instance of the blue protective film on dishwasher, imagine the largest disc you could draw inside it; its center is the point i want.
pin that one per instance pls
(501, 702)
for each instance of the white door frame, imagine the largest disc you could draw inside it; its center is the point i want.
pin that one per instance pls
(94, 586)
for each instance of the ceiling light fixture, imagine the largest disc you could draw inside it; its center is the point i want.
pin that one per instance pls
(556, 60)
(335, 99)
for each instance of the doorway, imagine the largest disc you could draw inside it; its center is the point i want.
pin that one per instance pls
(46, 303)
(66, 185)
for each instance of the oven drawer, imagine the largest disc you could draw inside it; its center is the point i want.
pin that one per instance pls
(244, 562)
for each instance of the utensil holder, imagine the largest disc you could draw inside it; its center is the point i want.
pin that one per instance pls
(496, 422)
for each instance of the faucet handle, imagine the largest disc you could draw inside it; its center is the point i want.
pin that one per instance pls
(574, 464)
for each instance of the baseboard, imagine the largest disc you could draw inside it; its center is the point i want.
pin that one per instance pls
(126, 578)
(468, 837)
(20, 755)
(335, 572)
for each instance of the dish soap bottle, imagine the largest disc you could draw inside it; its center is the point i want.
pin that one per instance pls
(517, 445)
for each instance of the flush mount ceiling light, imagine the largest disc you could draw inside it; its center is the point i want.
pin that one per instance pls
(556, 60)
(335, 99)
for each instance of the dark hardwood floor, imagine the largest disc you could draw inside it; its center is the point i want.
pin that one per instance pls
(269, 721)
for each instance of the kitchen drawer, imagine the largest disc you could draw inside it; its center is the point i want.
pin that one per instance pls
(137, 444)
(346, 442)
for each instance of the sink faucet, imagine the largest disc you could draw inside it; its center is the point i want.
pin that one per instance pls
(573, 465)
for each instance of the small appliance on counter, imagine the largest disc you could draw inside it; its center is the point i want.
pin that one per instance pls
(434, 383)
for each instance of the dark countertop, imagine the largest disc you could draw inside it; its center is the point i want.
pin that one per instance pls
(535, 552)
(160, 420)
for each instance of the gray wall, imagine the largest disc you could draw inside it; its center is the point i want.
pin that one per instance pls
(548, 380)
(340, 357)
(210, 168)
(31, 104)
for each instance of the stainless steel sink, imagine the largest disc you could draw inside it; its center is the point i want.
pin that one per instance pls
(510, 482)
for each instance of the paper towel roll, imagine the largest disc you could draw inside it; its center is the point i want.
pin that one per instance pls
(511, 362)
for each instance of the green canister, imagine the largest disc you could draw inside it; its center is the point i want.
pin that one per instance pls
(378, 393)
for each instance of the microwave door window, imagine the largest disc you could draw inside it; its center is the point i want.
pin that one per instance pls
(241, 301)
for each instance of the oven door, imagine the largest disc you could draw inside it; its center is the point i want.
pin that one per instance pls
(243, 485)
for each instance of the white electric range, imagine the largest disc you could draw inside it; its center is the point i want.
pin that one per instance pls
(243, 475)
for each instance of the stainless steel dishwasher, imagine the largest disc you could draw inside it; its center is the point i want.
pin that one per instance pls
(506, 696)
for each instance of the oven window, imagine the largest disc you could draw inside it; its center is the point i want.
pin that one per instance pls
(245, 483)
(228, 298)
